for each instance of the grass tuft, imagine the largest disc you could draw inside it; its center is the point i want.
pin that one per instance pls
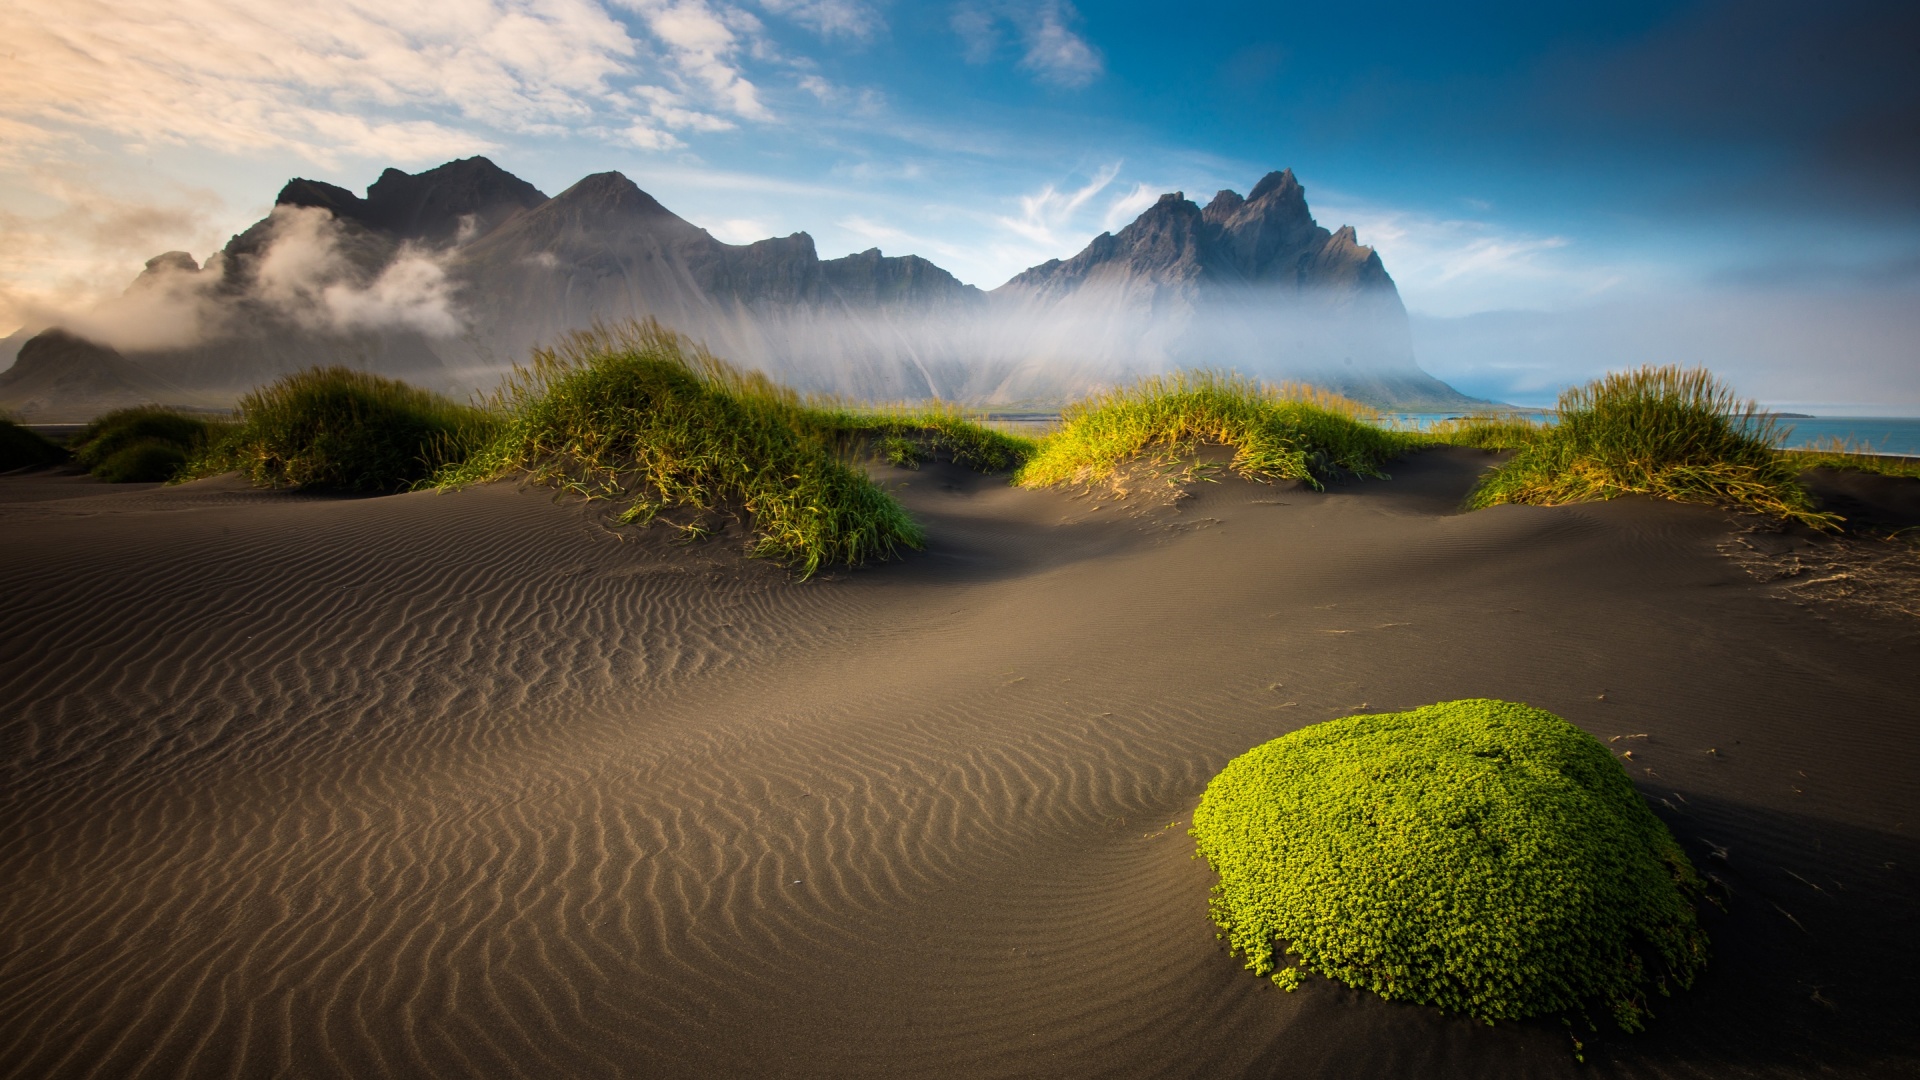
(1675, 433)
(1488, 431)
(144, 444)
(906, 435)
(1284, 432)
(22, 447)
(336, 429)
(1480, 856)
(635, 412)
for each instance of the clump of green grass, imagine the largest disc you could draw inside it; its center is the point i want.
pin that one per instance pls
(906, 435)
(336, 429)
(1480, 856)
(144, 444)
(637, 413)
(1840, 454)
(23, 448)
(1665, 431)
(1284, 432)
(1489, 431)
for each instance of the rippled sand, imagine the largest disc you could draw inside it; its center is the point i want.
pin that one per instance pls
(471, 785)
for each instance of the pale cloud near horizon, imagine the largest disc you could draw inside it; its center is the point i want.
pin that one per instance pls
(90, 238)
(1450, 266)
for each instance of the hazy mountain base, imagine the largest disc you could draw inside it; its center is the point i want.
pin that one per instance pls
(449, 277)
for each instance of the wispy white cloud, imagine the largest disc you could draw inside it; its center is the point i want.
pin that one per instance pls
(866, 101)
(401, 83)
(1055, 52)
(1128, 206)
(1049, 210)
(322, 81)
(1050, 46)
(1457, 266)
(831, 18)
(703, 41)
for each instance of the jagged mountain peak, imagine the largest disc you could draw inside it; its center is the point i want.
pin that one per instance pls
(1249, 280)
(1280, 181)
(611, 193)
(1266, 239)
(459, 200)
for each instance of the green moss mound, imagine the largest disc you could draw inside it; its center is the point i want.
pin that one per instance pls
(335, 429)
(1283, 432)
(24, 448)
(1674, 433)
(144, 444)
(637, 413)
(1480, 856)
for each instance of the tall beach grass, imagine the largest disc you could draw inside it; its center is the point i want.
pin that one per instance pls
(1288, 431)
(145, 444)
(1674, 433)
(336, 429)
(1487, 431)
(637, 413)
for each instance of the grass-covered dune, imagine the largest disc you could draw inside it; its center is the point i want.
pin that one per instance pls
(144, 444)
(23, 448)
(1670, 432)
(637, 413)
(1481, 856)
(1277, 432)
(336, 429)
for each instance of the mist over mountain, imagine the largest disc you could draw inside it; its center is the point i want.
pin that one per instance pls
(449, 276)
(59, 377)
(1251, 283)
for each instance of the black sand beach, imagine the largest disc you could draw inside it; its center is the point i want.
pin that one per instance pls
(471, 784)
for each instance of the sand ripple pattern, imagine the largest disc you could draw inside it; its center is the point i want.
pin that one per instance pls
(466, 785)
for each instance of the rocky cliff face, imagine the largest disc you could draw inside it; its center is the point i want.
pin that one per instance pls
(472, 195)
(1267, 240)
(605, 250)
(447, 276)
(1252, 283)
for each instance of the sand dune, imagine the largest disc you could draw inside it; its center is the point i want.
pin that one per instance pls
(472, 785)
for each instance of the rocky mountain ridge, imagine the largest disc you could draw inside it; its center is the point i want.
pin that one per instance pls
(446, 276)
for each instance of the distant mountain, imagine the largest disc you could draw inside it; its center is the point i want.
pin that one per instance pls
(1249, 283)
(448, 276)
(472, 196)
(61, 378)
(604, 249)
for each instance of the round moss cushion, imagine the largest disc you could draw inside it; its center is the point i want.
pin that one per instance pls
(1481, 856)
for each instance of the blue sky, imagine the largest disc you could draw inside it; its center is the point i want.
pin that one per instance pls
(1558, 189)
